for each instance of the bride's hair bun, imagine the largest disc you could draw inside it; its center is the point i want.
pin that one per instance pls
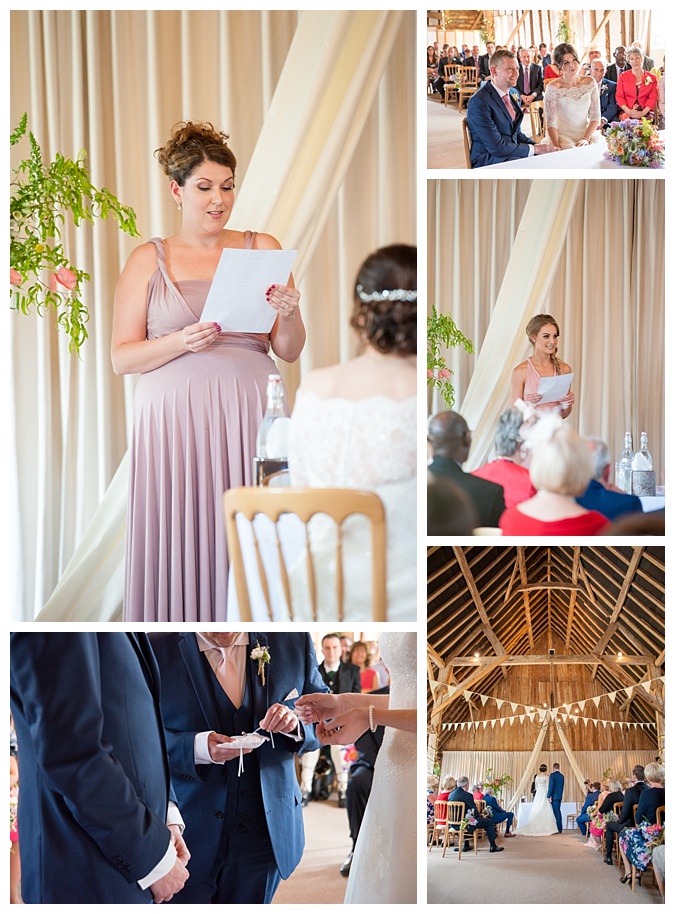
(543, 768)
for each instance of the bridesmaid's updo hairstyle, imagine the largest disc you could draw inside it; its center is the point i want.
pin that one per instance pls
(385, 300)
(559, 53)
(189, 145)
(534, 326)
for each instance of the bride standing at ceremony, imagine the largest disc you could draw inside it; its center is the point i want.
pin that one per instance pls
(542, 821)
(571, 103)
(354, 427)
(383, 869)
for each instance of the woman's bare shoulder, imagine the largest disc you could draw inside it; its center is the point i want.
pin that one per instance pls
(519, 370)
(565, 368)
(142, 260)
(322, 381)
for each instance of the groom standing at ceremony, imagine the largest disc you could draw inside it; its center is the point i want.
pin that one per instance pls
(242, 808)
(94, 814)
(556, 785)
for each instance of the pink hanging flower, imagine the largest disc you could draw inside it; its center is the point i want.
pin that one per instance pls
(430, 373)
(444, 373)
(66, 277)
(15, 278)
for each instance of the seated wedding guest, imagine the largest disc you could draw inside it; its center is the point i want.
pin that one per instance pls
(360, 657)
(494, 118)
(448, 785)
(499, 814)
(450, 511)
(637, 90)
(560, 470)
(530, 83)
(451, 441)
(507, 468)
(484, 61)
(432, 63)
(478, 792)
(605, 804)
(544, 57)
(591, 799)
(662, 97)
(543, 332)
(441, 79)
(571, 103)
(461, 795)
(648, 62)
(620, 64)
(631, 799)
(353, 426)
(601, 495)
(659, 864)
(609, 110)
(635, 849)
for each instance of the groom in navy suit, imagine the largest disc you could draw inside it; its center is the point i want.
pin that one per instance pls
(494, 118)
(94, 814)
(556, 785)
(245, 826)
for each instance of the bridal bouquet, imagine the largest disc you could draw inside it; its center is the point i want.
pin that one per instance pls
(635, 142)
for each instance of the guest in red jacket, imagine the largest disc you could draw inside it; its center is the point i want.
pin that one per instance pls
(507, 468)
(637, 91)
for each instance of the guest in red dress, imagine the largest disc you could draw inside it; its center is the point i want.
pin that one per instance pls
(560, 469)
(507, 469)
(637, 91)
(361, 657)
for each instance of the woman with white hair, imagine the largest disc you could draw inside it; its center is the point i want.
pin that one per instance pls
(507, 468)
(560, 470)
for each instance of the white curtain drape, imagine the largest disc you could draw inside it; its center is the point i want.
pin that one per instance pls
(589, 252)
(323, 128)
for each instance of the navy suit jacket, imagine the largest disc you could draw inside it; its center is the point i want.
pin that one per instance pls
(92, 764)
(487, 497)
(631, 798)
(591, 798)
(556, 783)
(188, 707)
(494, 136)
(611, 504)
(609, 108)
(499, 814)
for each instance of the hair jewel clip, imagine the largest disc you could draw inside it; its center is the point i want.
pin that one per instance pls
(387, 295)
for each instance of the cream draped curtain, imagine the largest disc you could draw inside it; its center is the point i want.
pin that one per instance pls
(320, 109)
(589, 252)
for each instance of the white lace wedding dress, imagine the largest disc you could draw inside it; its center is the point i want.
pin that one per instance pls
(542, 821)
(384, 869)
(366, 444)
(570, 110)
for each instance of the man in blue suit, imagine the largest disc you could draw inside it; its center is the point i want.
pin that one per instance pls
(494, 118)
(95, 819)
(609, 108)
(245, 825)
(556, 785)
(499, 814)
(599, 496)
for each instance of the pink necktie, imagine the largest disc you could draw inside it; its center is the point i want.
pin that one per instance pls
(228, 677)
(509, 106)
(526, 80)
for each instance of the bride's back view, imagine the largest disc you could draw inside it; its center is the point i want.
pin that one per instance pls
(541, 821)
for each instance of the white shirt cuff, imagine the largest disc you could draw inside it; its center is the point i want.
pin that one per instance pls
(202, 754)
(173, 816)
(530, 151)
(164, 866)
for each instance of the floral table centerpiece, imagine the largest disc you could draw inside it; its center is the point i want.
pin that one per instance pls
(635, 142)
(496, 783)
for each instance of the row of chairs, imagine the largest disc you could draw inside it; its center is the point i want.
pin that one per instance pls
(444, 829)
(616, 853)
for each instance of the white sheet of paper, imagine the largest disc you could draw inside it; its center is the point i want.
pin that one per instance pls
(554, 389)
(236, 299)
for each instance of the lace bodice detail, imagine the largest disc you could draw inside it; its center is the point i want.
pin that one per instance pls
(541, 783)
(575, 106)
(352, 443)
(399, 653)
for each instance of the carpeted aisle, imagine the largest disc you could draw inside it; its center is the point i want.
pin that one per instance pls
(317, 879)
(553, 870)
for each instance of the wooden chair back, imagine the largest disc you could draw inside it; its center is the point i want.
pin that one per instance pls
(455, 813)
(537, 121)
(466, 133)
(338, 504)
(660, 815)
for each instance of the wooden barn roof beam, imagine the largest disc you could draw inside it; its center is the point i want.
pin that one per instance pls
(623, 593)
(473, 590)
(522, 566)
(557, 659)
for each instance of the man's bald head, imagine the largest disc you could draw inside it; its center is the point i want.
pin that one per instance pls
(449, 435)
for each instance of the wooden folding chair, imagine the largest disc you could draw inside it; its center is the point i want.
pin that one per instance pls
(338, 504)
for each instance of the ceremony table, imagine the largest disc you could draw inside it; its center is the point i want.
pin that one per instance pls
(523, 811)
(581, 157)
